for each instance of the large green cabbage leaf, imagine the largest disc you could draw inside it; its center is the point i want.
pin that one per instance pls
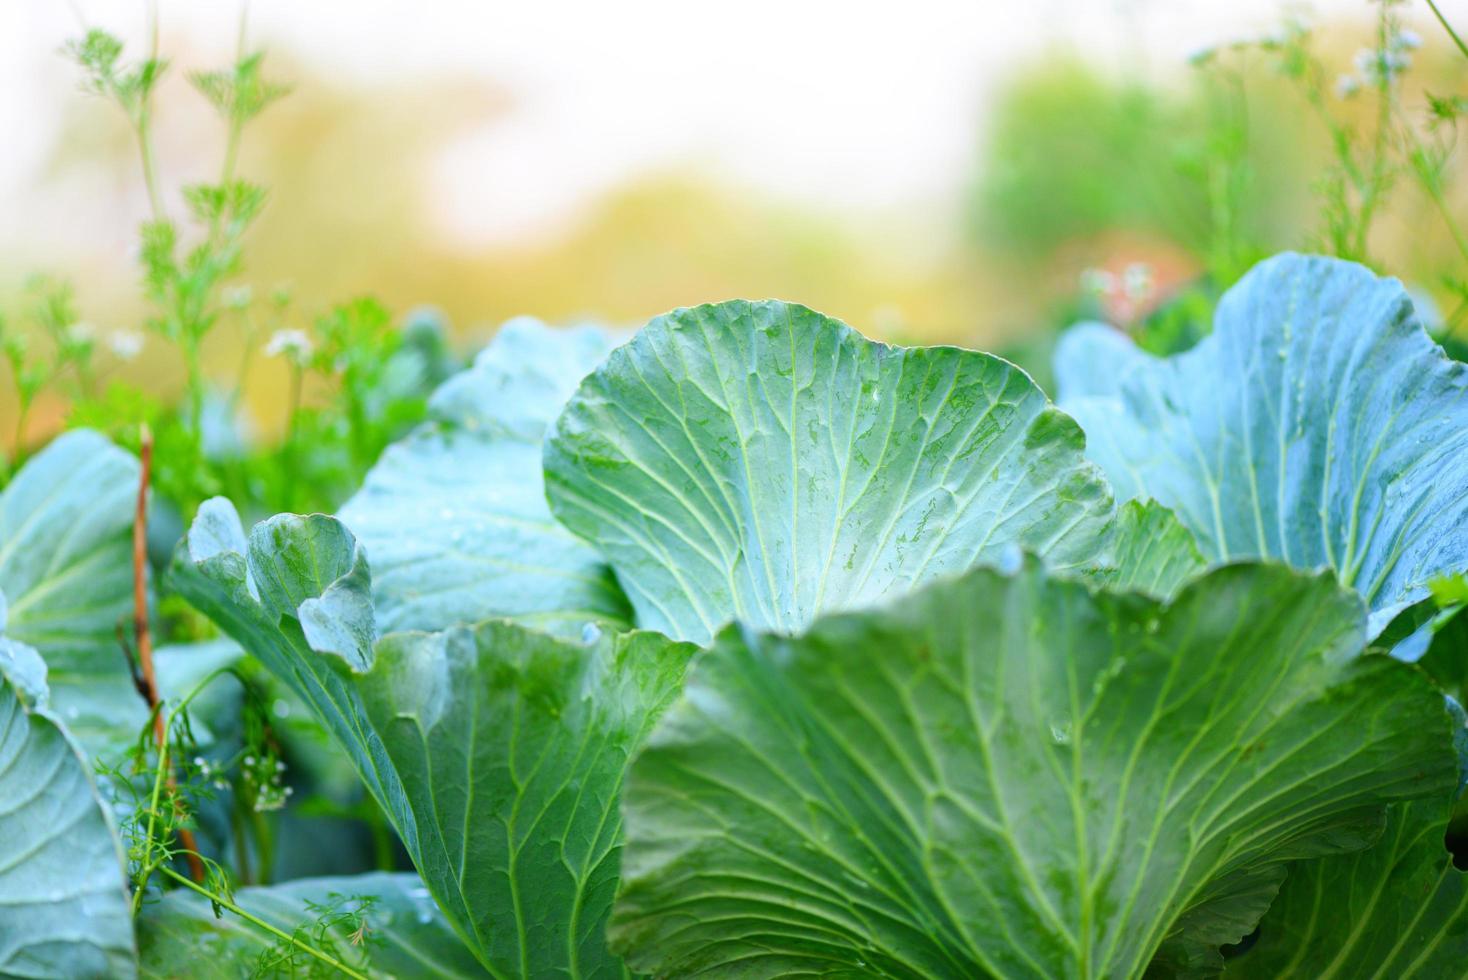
(454, 515)
(66, 553)
(1149, 551)
(1013, 775)
(64, 907)
(1401, 908)
(1396, 911)
(496, 750)
(66, 576)
(762, 462)
(1318, 424)
(180, 938)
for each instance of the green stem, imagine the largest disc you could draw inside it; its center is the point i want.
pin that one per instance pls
(150, 178)
(203, 683)
(140, 123)
(142, 886)
(18, 441)
(236, 124)
(225, 903)
(1432, 185)
(247, 323)
(288, 456)
(1375, 189)
(264, 847)
(195, 379)
(357, 419)
(241, 845)
(85, 380)
(231, 151)
(1342, 141)
(1448, 27)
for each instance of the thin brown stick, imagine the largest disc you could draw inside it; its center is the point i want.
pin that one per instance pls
(132, 662)
(143, 636)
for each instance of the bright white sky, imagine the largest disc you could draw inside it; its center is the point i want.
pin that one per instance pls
(842, 103)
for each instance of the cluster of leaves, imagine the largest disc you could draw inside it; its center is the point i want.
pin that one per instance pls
(751, 647)
(765, 649)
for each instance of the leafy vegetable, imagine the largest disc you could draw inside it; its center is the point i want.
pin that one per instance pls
(65, 552)
(1401, 908)
(66, 569)
(1150, 551)
(455, 516)
(1396, 911)
(63, 898)
(956, 713)
(1317, 424)
(1012, 775)
(762, 462)
(1103, 759)
(496, 750)
(398, 931)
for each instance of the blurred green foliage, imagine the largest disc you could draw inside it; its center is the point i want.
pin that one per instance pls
(1074, 153)
(1286, 141)
(369, 379)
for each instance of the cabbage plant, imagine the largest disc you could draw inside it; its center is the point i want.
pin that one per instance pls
(752, 647)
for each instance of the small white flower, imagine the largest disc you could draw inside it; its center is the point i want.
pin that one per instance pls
(1347, 86)
(1136, 281)
(1407, 40)
(292, 344)
(125, 344)
(1376, 65)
